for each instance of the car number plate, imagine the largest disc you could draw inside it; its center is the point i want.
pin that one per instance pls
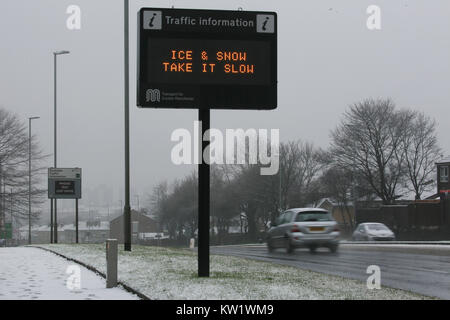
(316, 229)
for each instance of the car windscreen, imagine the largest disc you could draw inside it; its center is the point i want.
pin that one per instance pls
(313, 216)
(377, 227)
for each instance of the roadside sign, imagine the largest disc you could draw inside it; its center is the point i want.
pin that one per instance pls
(213, 59)
(205, 59)
(64, 183)
(6, 232)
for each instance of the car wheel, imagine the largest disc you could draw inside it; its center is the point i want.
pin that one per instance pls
(334, 248)
(289, 247)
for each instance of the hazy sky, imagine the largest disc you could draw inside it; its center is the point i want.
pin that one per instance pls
(327, 59)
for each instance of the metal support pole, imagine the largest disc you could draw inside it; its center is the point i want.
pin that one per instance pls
(29, 177)
(55, 54)
(29, 181)
(127, 208)
(11, 211)
(76, 220)
(203, 198)
(2, 218)
(55, 236)
(51, 220)
(55, 226)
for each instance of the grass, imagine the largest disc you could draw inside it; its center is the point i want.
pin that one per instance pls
(166, 273)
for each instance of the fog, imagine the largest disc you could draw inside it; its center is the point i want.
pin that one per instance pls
(327, 59)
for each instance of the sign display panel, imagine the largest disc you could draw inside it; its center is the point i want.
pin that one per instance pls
(64, 183)
(207, 59)
(206, 62)
(64, 187)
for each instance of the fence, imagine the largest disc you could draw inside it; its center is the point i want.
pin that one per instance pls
(419, 220)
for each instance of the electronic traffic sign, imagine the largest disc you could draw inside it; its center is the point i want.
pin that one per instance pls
(211, 59)
(64, 183)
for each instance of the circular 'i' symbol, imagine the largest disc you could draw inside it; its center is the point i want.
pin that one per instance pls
(151, 20)
(265, 24)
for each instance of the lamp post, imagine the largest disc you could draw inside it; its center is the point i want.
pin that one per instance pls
(29, 177)
(127, 207)
(55, 54)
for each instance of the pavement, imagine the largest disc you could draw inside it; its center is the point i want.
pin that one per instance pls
(420, 268)
(34, 274)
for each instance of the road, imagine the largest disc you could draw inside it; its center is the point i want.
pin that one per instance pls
(423, 269)
(35, 274)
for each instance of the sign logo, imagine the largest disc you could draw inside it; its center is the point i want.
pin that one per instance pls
(265, 23)
(152, 20)
(153, 95)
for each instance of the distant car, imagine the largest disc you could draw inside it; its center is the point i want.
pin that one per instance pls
(372, 231)
(304, 228)
(2, 242)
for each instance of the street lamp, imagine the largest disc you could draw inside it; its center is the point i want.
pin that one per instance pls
(127, 207)
(29, 177)
(55, 54)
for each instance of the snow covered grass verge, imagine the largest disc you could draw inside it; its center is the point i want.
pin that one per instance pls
(165, 273)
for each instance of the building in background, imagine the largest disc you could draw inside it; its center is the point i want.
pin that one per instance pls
(88, 232)
(343, 214)
(141, 225)
(443, 168)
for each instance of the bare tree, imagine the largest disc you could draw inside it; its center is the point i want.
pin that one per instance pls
(156, 200)
(337, 182)
(290, 170)
(223, 205)
(368, 140)
(241, 188)
(311, 164)
(421, 151)
(14, 159)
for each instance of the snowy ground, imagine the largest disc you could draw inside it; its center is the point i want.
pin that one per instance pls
(32, 273)
(162, 273)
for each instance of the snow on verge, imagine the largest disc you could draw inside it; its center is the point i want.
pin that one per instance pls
(34, 274)
(166, 273)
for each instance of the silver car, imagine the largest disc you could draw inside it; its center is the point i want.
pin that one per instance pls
(372, 231)
(304, 228)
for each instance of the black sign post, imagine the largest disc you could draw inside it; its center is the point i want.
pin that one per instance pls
(76, 220)
(203, 199)
(63, 183)
(206, 59)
